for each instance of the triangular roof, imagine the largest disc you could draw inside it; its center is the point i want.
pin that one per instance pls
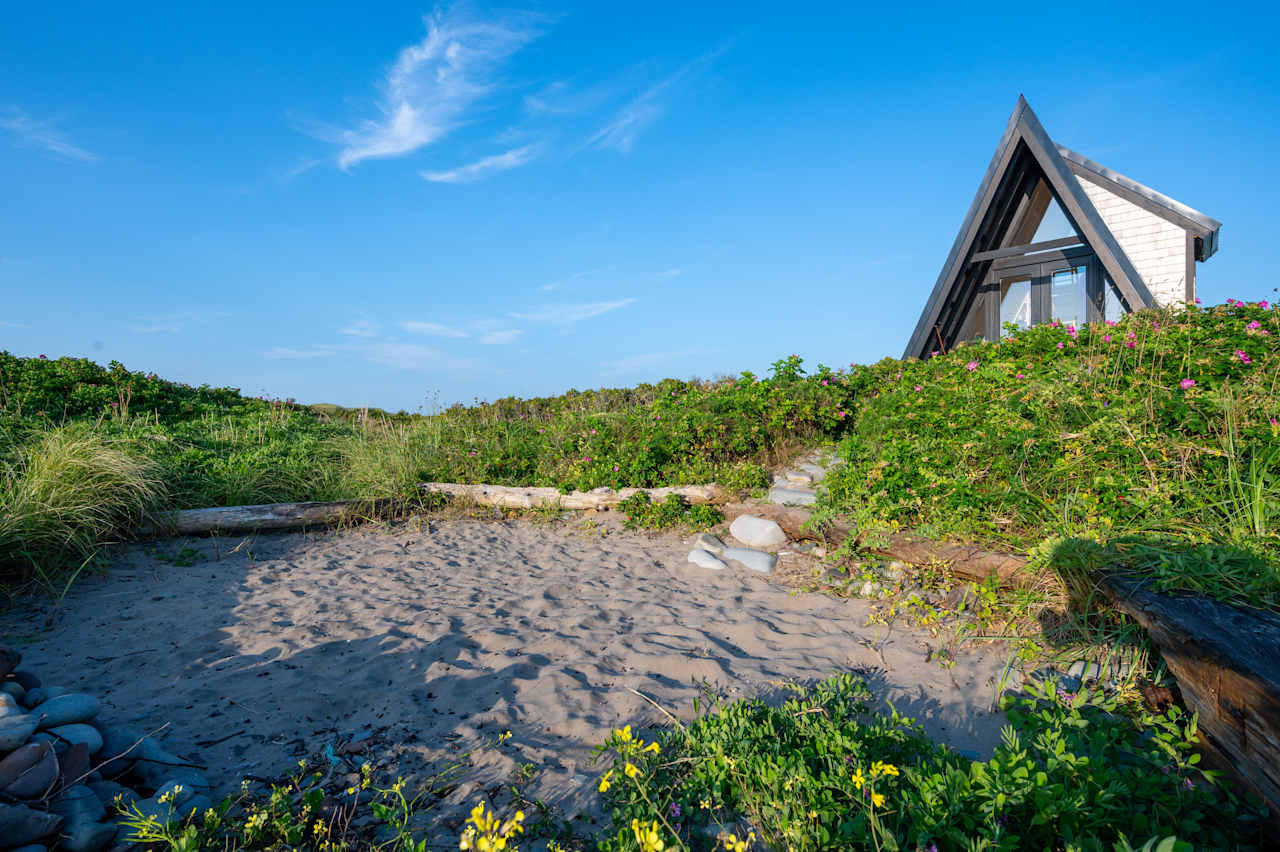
(1024, 156)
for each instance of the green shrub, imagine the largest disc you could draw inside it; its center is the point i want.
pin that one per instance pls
(674, 511)
(820, 772)
(1165, 425)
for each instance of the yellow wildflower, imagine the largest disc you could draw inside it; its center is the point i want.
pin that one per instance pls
(631, 770)
(653, 747)
(606, 781)
(705, 804)
(625, 734)
(647, 836)
(877, 800)
(858, 779)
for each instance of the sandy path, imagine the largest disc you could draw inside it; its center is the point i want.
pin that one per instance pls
(441, 637)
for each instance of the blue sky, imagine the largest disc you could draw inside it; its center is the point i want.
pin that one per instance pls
(439, 203)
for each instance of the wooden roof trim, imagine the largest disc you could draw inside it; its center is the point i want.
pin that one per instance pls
(1024, 127)
(1187, 218)
(972, 219)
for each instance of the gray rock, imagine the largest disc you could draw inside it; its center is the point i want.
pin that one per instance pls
(709, 543)
(757, 532)
(29, 772)
(797, 477)
(27, 680)
(870, 589)
(16, 690)
(9, 706)
(9, 660)
(752, 560)
(20, 825)
(703, 559)
(816, 473)
(1084, 671)
(66, 709)
(77, 804)
(117, 743)
(175, 790)
(79, 733)
(35, 696)
(819, 552)
(16, 730)
(792, 497)
(112, 795)
(969, 753)
(87, 836)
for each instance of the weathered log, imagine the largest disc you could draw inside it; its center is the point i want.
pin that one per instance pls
(508, 497)
(964, 560)
(1226, 660)
(269, 516)
(284, 516)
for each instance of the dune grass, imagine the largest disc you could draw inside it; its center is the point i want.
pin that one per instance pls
(66, 493)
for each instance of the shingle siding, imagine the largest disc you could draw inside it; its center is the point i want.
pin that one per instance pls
(1156, 247)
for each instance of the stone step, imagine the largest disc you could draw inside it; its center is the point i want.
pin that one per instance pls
(792, 496)
(705, 559)
(754, 531)
(752, 560)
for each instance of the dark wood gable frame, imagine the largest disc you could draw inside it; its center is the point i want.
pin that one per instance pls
(1025, 155)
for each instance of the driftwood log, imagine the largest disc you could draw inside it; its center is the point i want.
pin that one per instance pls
(269, 516)
(962, 560)
(508, 497)
(1226, 660)
(285, 516)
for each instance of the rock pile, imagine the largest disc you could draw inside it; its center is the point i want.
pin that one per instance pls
(796, 487)
(65, 772)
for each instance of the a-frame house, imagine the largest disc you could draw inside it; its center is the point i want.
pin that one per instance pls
(1053, 235)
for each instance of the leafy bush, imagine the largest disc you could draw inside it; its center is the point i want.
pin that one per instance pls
(674, 511)
(820, 772)
(1164, 425)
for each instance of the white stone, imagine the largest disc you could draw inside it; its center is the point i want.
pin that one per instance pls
(870, 590)
(799, 477)
(753, 560)
(709, 543)
(815, 473)
(703, 559)
(757, 532)
(792, 497)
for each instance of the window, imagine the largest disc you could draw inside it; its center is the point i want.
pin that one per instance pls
(1113, 306)
(1015, 303)
(1068, 296)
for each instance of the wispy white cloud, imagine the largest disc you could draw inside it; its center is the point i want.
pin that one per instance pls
(7, 324)
(361, 328)
(42, 134)
(510, 335)
(561, 314)
(645, 359)
(643, 110)
(482, 168)
(434, 82)
(289, 354)
(558, 98)
(412, 356)
(175, 322)
(433, 328)
(670, 273)
(586, 273)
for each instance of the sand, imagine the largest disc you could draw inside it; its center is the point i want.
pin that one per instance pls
(431, 639)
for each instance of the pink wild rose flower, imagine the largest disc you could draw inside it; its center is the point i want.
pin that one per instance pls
(1187, 384)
